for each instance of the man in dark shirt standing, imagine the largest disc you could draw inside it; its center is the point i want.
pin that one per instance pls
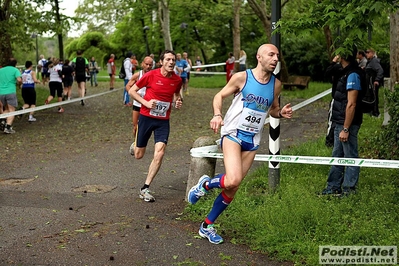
(375, 71)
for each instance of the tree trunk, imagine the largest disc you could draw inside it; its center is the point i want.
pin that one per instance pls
(328, 35)
(394, 49)
(59, 29)
(164, 17)
(236, 32)
(5, 36)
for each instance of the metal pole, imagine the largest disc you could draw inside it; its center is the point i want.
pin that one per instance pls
(37, 50)
(187, 40)
(274, 128)
(147, 47)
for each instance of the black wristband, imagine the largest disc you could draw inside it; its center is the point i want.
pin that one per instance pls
(279, 114)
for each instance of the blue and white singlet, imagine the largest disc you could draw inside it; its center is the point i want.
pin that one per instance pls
(247, 114)
(27, 79)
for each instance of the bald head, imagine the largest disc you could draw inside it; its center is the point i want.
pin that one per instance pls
(146, 65)
(267, 47)
(268, 57)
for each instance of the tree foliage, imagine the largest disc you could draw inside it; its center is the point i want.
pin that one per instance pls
(314, 29)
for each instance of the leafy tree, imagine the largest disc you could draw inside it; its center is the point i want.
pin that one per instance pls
(351, 19)
(20, 18)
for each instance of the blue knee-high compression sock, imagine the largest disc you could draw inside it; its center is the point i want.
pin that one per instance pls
(219, 205)
(216, 182)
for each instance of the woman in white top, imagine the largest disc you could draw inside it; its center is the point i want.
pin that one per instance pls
(242, 60)
(55, 84)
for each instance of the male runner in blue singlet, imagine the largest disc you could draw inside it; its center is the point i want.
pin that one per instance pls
(256, 94)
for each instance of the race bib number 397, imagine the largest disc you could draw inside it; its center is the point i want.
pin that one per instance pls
(160, 109)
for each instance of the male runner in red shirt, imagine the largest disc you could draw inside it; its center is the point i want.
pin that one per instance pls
(162, 90)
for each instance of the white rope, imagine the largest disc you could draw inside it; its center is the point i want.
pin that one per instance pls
(47, 106)
(196, 152)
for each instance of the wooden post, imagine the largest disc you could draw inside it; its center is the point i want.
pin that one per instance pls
(201, 166)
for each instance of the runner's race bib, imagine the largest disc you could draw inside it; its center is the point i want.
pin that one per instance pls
(160, 109)
(251, 121)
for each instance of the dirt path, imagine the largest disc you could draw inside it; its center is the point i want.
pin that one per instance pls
(68, 188)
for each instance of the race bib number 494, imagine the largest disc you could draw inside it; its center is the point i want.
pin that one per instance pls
(251, 120)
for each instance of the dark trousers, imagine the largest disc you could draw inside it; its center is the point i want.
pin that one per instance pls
(376, 111)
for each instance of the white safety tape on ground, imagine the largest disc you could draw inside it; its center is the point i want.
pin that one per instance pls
(51, 105)
(202, 153)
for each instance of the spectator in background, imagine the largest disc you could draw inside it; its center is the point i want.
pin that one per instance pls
(230, 66)
(67, 79)
(362, 60)
(181, 70)
(81, 67)
(10, 77)
(42, 65)
(198, 62)
(333, 73)
(28, 89)
(55, 84)
(135, 63)
(190, 64)
(93, 67)
(376, 73)
(348, 117)
(127, 64)
(242, 61)
(111, 69)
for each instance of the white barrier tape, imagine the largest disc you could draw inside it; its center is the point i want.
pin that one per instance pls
(196, 152)
(47, 106)
(210, 65)
(310, 100)
(207, 73)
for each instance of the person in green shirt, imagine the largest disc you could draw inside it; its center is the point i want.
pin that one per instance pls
(10, 76)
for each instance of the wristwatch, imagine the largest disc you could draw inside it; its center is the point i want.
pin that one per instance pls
(346, 130)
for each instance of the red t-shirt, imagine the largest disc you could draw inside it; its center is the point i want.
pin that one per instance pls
(111, 62)
(160, 88)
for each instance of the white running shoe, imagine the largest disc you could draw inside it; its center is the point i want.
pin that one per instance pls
(145, 194)
(131, 149)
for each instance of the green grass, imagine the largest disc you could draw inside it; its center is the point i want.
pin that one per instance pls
(293, 222)
(207, 81)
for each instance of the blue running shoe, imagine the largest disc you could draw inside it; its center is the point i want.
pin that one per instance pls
(210, 233)
(197, 191)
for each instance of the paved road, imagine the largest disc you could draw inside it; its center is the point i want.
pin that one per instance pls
(68, 190)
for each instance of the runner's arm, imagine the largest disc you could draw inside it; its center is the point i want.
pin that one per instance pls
(234, 86)
(132, 81)
(275, 110)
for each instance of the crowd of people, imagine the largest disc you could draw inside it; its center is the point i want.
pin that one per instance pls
(58, 74)
(159, 87)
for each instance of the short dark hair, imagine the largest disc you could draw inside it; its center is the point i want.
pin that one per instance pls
(28, 64)
(79, 52)
(12, 62)
(361, 52)
(350, 54)
(129, 54)
(162, 56)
